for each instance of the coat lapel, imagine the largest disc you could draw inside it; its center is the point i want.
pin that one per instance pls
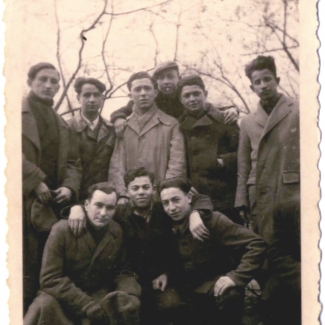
(90, 242)
(150, 124)
(64, 145)
(279, 112)
(133, 124)
(104, 129)
(260, 116)
(29, 127)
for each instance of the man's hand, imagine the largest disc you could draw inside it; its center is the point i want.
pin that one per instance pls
(62, 195)
(197, 227)
(221, 162)
(43, 192)
(193, 191)
(77, 220)
(122, 201)
(119, 126)
(230, 115)
(222, 285)
(97, 313)
(160, 283)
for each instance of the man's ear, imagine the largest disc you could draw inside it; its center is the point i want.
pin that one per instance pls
(86, 204)
(277, 80)
(206, 93)
(189, 197)
(156, 92)
(78, 97)
(29, 82)
(252, 88)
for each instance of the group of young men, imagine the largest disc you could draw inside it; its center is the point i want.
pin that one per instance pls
(139, 220)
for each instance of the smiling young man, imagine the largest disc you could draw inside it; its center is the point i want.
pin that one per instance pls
(151, 139)
(268, 153)
(167, 76)
(149, 242)
(50, 167)
(80, 273)
(212, 273)
(95, 134)
(211, 147)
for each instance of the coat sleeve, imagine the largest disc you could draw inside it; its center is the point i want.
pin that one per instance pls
(117, 168)
(243, 167)
(247, 248)
(73, 173)
(54, 280)
(176, 164)
(231, 147)
(122, 112)
(32, 176)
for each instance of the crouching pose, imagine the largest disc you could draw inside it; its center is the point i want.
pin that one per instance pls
(85, 279)
(213, 273)
(149, 241)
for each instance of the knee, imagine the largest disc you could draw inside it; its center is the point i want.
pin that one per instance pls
(169, 299)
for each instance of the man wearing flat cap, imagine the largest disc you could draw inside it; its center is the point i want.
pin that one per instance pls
(211, 147)
(86, 277)
(167, 76)
(51, 168)
(95, 134)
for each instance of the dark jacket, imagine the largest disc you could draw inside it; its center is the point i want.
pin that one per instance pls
(95, 153)
(74, 268)
(230, 250)
(206, 139)
(150, 245)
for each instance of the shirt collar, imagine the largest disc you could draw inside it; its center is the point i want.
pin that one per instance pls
(147, 217)
(92, 124)
(181, 226)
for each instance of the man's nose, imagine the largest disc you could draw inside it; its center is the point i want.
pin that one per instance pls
(172, 206)
(92, 98)
(103, 211)
(48, 83)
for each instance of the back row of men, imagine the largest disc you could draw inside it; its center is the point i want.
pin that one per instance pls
(252, 172)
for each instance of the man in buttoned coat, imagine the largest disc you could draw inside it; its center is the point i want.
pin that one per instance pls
(95, 134)
(87, 277)
(269, 149)
(151, 139)
(50, 167)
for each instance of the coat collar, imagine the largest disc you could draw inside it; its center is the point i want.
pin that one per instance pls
(157, 118)
(29, 126)
(279, 112)
(80, 124)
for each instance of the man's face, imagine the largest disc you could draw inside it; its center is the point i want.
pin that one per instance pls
(167, 81)
(100, 208)
(90, 99)
(143, 93)
(45, 85)
(140, 191)
(264, 84)
(193, 98)
(176, 203)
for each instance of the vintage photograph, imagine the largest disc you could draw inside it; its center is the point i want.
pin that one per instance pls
(160, 172)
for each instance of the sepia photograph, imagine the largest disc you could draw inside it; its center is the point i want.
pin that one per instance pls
(164, 162)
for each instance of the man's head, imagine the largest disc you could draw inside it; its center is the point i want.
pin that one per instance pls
(262, 74)
(139, 183)
(192, 93)
(175, 197)
(90, 95)
(100, 204)
(43, 79)
(167, 76)
(143, 90)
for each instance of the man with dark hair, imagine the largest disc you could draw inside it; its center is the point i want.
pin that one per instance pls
(95, 134)
(51, 168)
(268, 153)
(151, 139)
(213, 274)
(80, 273)
(149, 241)
(211, 146)
(167, 76)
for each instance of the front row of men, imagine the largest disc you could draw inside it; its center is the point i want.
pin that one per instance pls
(85, 274)
(61, 161)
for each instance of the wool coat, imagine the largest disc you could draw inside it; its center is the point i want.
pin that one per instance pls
(74, 269)
(68, 173)
(159, 147)
(269, 158)
(95, 153)
(207, 139)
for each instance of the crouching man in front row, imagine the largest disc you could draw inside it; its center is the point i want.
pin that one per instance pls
(213, 273)
(85, 279)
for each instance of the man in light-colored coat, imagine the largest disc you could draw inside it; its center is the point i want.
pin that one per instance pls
(268, 154)
(152, 139)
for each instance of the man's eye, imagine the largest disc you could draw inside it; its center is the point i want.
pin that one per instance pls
(54, 81)
(43, 79)
(135, 188)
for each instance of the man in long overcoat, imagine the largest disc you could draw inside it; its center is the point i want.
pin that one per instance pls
(51, 169)
(151, 139)
(87, 276)
(269, 149)
(211, 146)
(95, 134)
